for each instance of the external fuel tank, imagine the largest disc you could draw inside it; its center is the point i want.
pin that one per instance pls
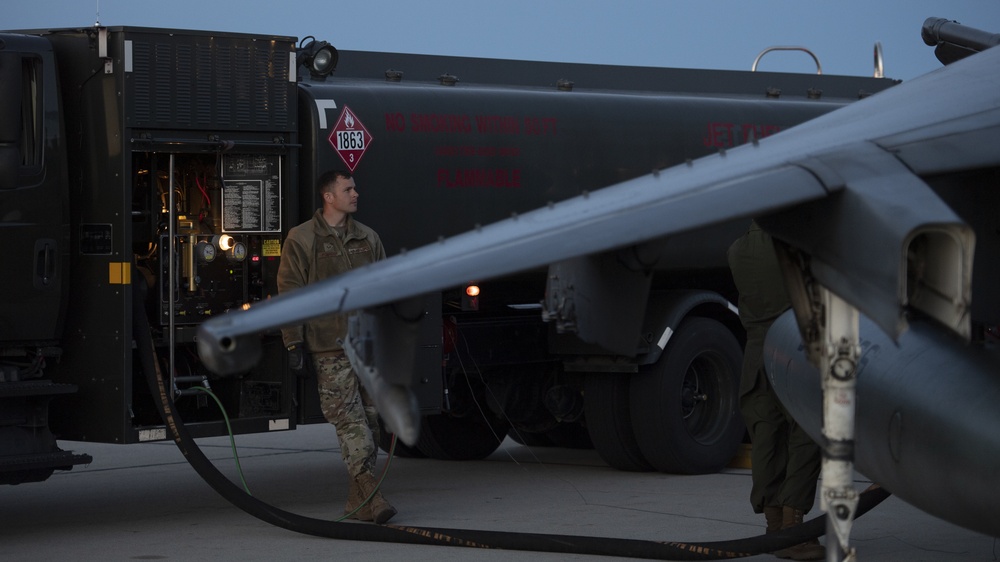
(926, 421)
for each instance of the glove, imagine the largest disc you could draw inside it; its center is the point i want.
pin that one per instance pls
(297, 359)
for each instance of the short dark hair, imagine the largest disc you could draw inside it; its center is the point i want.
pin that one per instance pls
(326, 180)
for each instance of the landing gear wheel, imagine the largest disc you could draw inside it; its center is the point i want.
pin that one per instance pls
(609, 421)
(685, 408)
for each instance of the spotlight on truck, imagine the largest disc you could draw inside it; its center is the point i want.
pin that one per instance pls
(319, 57)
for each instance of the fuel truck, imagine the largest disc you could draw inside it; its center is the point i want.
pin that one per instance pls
(148, 178)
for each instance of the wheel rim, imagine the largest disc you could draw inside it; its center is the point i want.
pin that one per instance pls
(704, 397)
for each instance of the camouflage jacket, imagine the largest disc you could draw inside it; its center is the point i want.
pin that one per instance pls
(313, 251)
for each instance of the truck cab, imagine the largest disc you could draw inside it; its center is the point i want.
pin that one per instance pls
(35, 229)
(34, 220)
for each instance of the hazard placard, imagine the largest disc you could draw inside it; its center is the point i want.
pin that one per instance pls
(350, 138)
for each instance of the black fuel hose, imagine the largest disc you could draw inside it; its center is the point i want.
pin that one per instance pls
(570, 544)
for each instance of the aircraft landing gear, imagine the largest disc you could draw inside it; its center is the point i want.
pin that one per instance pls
(830, 330)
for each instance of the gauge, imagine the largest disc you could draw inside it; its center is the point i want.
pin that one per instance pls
(238, 252)
(205, 251)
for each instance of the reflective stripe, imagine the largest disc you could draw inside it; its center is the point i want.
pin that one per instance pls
(665, 337)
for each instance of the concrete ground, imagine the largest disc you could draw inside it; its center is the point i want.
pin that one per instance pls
(144, 502)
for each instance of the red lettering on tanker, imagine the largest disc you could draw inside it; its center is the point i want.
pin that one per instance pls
(540, 125)
(722, 135)
(498, 124)
(475, 140)
(439, 123)
(350, 138)
(479, 177)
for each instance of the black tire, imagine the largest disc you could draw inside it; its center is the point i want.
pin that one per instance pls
(685, 408)
(609, 421)
(444, 437)
(530, 438)
(570, 435)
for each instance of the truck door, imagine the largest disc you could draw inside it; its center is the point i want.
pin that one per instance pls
(33, 220)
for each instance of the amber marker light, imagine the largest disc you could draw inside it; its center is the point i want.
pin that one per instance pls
(472, 290)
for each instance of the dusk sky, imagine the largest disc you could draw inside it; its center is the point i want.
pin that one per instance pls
(676, 33)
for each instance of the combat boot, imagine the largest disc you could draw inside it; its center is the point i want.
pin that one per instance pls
(381, 509)
(773, 515)
(353, 509)
(809, 550)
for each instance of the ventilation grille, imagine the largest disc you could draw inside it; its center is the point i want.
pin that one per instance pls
(207, 82)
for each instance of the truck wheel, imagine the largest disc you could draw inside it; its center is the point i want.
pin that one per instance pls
(609, 421)
(445, 437)
(570, 435)
(530, 438)
(685, 407)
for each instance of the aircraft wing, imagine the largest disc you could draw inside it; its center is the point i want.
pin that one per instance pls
(845, 187)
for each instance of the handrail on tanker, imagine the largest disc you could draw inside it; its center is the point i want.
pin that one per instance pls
(879, 65)
(819, 69)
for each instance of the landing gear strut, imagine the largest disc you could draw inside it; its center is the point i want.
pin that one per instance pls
(830, 330)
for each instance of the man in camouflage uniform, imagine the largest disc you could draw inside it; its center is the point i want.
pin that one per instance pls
(329, 244)
(785, 462)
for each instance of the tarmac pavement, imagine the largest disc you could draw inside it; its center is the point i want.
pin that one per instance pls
(145, 502)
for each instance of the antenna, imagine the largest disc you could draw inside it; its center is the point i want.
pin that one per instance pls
(97, 18)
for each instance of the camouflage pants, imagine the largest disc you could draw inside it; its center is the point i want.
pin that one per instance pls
(346, 404)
